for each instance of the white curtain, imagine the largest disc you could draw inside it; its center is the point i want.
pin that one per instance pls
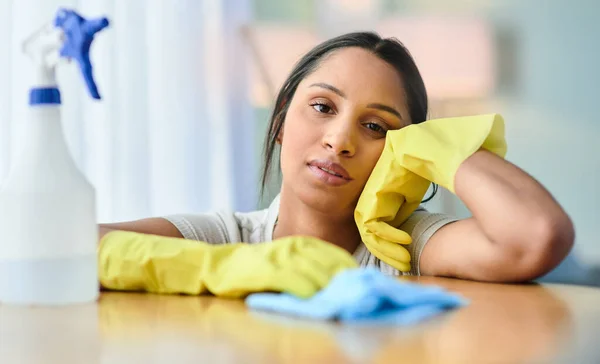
(174, 130)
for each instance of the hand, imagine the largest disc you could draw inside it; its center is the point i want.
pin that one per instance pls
(413, 157)
(140, 262)
(436, 148)
(297, 265)
(389, 197)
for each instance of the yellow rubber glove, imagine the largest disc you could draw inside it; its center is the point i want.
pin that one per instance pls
(139, 262)
(412, 158)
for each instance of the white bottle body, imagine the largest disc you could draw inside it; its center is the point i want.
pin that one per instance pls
(48, 230)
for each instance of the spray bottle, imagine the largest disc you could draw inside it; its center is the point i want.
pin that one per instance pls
(48, 229)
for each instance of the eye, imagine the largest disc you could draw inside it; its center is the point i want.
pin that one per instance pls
(376, 128)
(321, 107)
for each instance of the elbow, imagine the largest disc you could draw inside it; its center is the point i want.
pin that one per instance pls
(550, 241)
(556, 237)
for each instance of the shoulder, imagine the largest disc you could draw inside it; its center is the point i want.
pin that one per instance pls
(257, 226)
(252, 226)
(421, 225)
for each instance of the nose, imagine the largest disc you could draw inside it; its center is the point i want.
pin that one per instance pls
(339, 138)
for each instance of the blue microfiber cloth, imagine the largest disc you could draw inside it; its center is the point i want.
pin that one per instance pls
(363, 296)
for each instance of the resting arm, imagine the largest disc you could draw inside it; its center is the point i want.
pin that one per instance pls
(154, 226)
(518, 232)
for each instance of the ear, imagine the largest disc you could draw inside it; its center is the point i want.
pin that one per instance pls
(279, 138)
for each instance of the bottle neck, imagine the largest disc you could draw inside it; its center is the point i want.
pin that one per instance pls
(44, 90)
(42, 145)
(45, 122)
(44, 96)
(44, 139)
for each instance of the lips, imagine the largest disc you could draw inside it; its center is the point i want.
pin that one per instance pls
(331, 168)
(330, 172)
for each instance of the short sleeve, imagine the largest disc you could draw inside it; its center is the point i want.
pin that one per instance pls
(212, 228)
(421, 226)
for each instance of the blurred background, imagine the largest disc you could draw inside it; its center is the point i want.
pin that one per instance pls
(188, 87)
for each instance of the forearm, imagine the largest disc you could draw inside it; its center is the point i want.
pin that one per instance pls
(130, 261)
(152, 226)
(103, 230)
(510, 206)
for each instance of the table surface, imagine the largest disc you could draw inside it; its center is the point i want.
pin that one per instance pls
(503, 324)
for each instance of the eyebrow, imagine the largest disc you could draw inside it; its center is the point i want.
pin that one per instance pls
(377, 106)
(386, 108)
(330, 88)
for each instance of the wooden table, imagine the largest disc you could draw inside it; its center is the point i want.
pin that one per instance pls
(503, 324)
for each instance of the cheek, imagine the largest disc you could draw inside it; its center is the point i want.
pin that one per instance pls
(297, 141)
(370, 157)
(299, 133)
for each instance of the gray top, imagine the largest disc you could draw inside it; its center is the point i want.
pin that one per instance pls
(257, 226)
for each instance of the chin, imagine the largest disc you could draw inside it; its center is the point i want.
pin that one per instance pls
(326, 200)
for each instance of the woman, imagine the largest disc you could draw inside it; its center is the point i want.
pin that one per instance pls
(330, 123)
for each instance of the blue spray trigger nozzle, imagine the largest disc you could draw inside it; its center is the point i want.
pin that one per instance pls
(79, 34)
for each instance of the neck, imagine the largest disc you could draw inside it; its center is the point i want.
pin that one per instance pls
(297, 218)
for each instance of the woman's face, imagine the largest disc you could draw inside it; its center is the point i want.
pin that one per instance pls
(335, 127)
